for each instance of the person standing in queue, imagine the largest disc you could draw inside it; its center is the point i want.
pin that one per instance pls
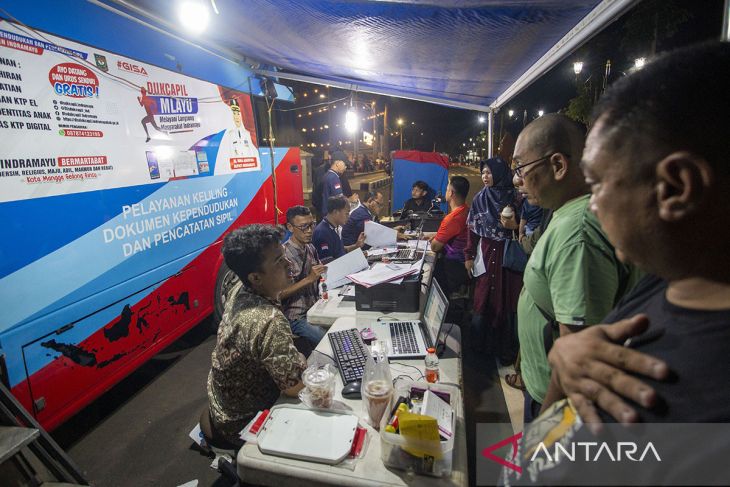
(326, 239)
(306, 270)
(331, 184)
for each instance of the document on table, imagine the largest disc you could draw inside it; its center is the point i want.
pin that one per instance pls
(377, 235)
(339, 269)
(437, 408)
(383, 250)
(381, 273)
(419, 244)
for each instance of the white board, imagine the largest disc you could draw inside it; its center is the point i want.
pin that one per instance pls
(305, 434)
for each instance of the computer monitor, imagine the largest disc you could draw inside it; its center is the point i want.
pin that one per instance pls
(434, 313)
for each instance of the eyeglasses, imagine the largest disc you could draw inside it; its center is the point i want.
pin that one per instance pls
(305, 227)
(518, 170)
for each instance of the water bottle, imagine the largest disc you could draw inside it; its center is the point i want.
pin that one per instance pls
(432, 366)
(323, 289)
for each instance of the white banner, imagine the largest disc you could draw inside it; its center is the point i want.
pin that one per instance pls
(74, 118)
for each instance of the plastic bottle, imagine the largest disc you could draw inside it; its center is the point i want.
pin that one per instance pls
(432, 366)
(323, 289)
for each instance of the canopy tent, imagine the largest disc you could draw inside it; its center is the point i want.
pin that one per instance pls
(431, 168)
(473, 54)
(465, 53)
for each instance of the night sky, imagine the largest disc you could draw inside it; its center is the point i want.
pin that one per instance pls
(449, 127)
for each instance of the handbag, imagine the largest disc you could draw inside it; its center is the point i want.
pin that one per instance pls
(514, 258)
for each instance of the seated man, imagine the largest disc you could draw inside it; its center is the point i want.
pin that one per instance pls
(368, 211)
(418, 201)
(658, 156)
(306, 270)
(254, 359)
(451, 237)
(326, 240)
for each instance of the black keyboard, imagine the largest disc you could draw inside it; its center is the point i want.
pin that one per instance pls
(405, 254)
(403, 337)
(350, 353)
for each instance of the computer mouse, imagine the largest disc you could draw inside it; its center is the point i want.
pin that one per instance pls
(352, 390)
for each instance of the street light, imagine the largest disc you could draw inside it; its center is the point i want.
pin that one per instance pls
(639, 62)
(540, 113)
(510, 113)
(577, 67)
(351, 121)
(482, 119)
(400, 124)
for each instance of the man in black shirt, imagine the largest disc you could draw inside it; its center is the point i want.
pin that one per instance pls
(418, 201)
(656, 162)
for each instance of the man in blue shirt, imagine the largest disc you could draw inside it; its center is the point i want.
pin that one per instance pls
(356, 222)
(326, 239)
(331, 185)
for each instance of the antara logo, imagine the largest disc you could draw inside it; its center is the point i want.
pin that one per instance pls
(594, 451)
(131, 68)
(514, 441)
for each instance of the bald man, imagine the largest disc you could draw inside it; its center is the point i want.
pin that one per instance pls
(573, 278)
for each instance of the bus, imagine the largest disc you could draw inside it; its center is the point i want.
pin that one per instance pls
(125, 159)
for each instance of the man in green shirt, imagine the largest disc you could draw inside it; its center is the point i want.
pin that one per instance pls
(573, 278)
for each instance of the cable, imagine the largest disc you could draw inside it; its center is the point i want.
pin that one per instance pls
(310, 106)
(328, 356)
(411, 366)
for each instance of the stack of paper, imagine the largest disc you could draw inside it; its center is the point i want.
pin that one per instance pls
(338, 269)
(437, 408)
(419, 244)
(382, 251)
(381, 273)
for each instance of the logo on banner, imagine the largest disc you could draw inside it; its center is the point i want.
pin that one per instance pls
(73, 80)
(131, 68)
(101, 62)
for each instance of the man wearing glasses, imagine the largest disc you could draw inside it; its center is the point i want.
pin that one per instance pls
(305, 269)
(573, 278)
(368, 211)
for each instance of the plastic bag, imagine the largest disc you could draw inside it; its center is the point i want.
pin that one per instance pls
(376, 390)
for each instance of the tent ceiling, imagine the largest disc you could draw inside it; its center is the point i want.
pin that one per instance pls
(455, 52)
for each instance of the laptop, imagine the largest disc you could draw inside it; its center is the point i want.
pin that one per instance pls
(411, 339)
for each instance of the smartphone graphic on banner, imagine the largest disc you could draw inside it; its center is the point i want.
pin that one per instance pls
(153, 165)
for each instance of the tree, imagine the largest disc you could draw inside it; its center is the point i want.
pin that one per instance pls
(579, 108)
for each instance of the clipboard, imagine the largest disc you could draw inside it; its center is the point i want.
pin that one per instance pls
(315, 435)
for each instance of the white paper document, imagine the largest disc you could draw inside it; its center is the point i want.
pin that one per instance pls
(338, 269)
(383, 250)
(479, 267)
(377, 235)
(381, 273)
(419, 244)
(437, 408)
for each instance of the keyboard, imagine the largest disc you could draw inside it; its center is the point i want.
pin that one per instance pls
(405, 254)
(403, 337)
(350, 353)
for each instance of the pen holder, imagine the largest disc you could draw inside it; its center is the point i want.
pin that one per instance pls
(397, 451)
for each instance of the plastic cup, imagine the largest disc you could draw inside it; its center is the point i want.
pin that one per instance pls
(377, 395)
(319, 390)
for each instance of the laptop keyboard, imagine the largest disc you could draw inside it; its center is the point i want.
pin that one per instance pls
(403, 337)
(405, 254)
(350, 353)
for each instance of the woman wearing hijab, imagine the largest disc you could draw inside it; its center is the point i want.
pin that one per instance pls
(497, 288)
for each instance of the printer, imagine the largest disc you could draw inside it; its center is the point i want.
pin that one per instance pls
(388, 297)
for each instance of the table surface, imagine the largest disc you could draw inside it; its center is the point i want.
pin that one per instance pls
(258, 468)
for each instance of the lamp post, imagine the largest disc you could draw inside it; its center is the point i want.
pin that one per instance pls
(577, 68)
(639, 62)
(400, 124)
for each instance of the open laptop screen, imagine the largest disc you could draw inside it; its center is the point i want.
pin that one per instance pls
(435, 312)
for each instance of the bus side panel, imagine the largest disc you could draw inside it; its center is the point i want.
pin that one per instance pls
(128, 333)
(290, 191)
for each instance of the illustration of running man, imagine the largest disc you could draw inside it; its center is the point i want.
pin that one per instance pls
(150, 106)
